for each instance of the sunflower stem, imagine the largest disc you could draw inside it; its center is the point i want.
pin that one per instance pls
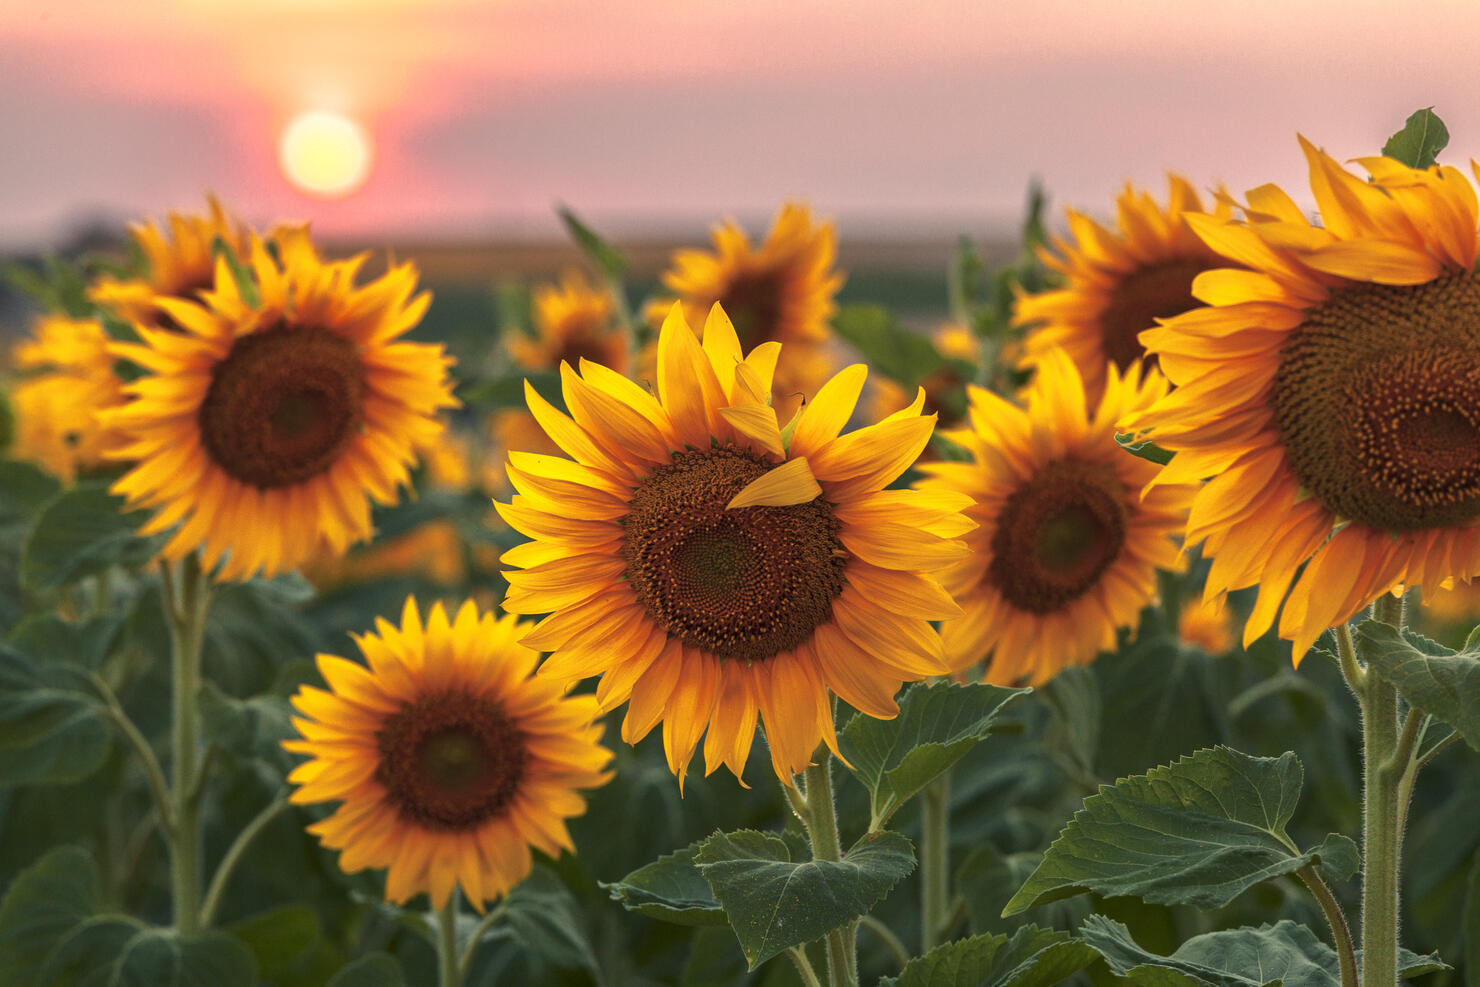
(489, 921)
(935, 861)
(234, 855)
(449, 972)
(1382, 817)
(1341, 932)
(821, 820)
(804, 966)
(187, 601)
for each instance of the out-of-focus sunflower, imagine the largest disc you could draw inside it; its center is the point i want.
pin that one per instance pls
(1454, 603)
(1206, 625)
(1332, 390)
(1066, 547)
(181, 261)
(714, 574)
(573, 321)
(68, 378)
(1118, 283)
(450, 758)
(782, 291)
(260, 428)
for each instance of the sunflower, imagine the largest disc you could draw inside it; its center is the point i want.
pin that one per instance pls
(1118, 283)
(262, 425)
(1066, 548)
(780, 292)
(68, 379)
(572, 321)
(714, 572)
(1206, 626)
(1332, 388)
(182, 264)
(450, 758)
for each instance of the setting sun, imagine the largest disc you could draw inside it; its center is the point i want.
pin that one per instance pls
(325, 154)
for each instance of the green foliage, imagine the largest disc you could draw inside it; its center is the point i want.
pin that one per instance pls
(774, 903)
(1284, 954)
(370, 970)
(670, 888)
(48, 638)
(1199, 831)
(53, 933)
(544, 921)
(52, 724)
(289, 946)
(608, 259)
(890, 349)
(1435, 679)
(936, 726)
(1145, 449)
(507, 391)
(1418, 144)
(83, 532)
(1031, 957)
(25, 490)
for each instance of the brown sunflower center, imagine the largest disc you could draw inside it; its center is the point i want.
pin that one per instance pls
(744, 584)
(1156, 291)
(1377, 400)
(578, 346)
(282, 405)
(450, 760)
(753, 303)
(1056, 534)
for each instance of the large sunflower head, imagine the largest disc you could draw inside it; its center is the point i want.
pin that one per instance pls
(1066, 547)
(450, 758)
(716, 572)
(1117, 283)
(67, 379)
(573, 321)
(1332, 389)
(262, 425)
(781, 291)
(181, 260)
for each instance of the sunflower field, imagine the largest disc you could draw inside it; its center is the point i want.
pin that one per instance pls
(1108, 623)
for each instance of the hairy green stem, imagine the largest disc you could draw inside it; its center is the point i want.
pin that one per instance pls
(804, 966)
(489, 921)
(821, 820)
(1382, 835)
(886, 935)
(159, 789)
(1340, 931)
(187, 600)
(233, 857)
(935, 861)
(449, 973)
(1346, 652)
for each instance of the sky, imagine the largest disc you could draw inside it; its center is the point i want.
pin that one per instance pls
(651, 116)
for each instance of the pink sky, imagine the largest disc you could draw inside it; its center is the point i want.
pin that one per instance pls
(664, 115)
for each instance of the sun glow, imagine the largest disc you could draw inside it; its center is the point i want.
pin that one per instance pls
(325, 154)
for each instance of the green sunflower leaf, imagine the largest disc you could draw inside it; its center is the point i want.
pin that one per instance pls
(82, 532)
(45, 902)
(252, 729)
(670, 888)
(1285, 954)
(52, 724)
(1030, 957)
(24, 490)
(370, 970)
(1418, 144)
(545, 919)
(48, 638)
(936, 726)
(150, 958)
(900, 354)
(1199, 832)
(774, 903)
(1441, 682)
(606, 257)
(1145, 449)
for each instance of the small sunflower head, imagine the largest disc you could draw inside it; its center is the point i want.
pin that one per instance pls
(450, 759)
